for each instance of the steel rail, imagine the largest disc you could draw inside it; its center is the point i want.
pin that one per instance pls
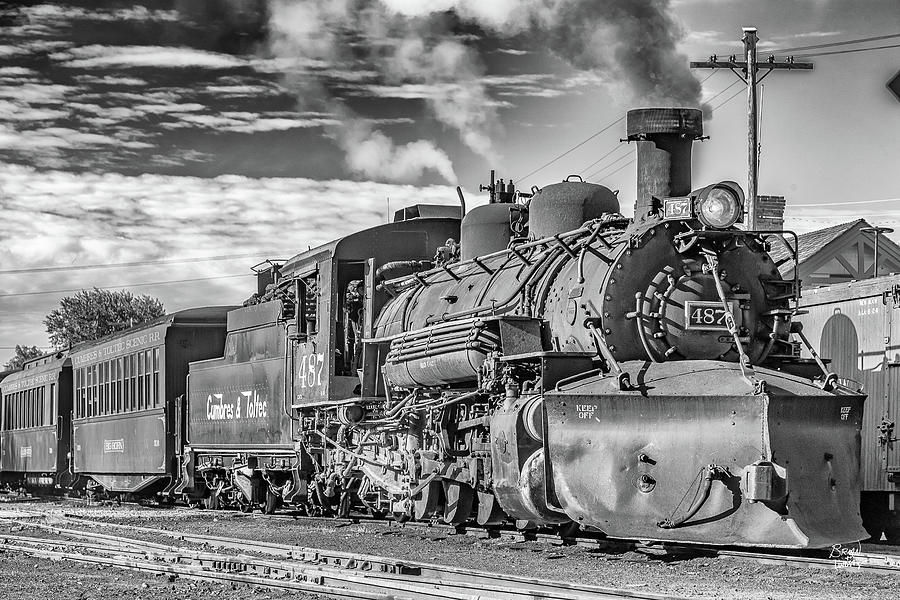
(457, 584)
(837, 557)
(197, 573)
(394, 571)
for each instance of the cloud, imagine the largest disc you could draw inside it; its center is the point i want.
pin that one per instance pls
(512, 51)
(110, 80)
(37, 93)
(54, 12)
(60, 138)
(17, 72)
(51, 218)
(97, 56)
(374, 155)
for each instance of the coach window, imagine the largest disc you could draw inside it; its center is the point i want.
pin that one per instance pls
(142, 398)
(53, 408)
(107, 386)
(77, 376)
(126, 386)
(89, 408)
(95, 404)
(159, 399)
(82, 393)
(118, 384)
(104, 401)
(148, 376)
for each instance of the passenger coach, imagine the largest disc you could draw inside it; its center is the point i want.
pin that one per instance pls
(128, 420)
(35, 435)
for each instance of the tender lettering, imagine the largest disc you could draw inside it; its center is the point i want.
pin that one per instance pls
(247, 405)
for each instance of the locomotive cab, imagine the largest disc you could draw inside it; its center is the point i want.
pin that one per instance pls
(293, 349)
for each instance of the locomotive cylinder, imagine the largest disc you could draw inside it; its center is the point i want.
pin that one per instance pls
(664, 137)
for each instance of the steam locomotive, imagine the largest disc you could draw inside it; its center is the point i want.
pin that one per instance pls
(560, 366)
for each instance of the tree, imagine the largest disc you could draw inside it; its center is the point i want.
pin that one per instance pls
(92, 314)
(22, 354)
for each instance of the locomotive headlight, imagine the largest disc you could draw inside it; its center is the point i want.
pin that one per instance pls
(720, 205)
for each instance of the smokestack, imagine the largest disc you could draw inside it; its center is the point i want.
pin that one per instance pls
(664, 137)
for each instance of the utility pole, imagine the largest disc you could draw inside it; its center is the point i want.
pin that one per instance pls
(750, 68)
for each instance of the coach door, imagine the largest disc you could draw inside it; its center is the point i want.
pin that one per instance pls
(888, 426)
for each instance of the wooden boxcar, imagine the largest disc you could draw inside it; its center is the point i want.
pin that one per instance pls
(35, 434)
(856, 326)
(127, 420)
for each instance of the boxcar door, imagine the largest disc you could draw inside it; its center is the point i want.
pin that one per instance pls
(850, 332)
(889, 424)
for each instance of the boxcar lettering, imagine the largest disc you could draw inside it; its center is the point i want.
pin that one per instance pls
(113, 446)
(310, 370)
(25, 452)
(845, 413)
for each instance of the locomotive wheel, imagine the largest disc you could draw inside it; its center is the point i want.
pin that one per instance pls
(344, 504)
(489, 510)
(892, 534)
(460, 498)
(426, 501)
(873, 510)
(273, 501)
(212, 501)
(401, 517)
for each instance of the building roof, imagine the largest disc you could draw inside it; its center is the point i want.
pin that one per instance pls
(835, 254)
(809, 244)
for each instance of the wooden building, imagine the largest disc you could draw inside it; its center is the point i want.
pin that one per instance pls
(839, 254)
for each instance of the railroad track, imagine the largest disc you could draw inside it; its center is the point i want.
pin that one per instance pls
(472, 581)
(327, 573)
(840, 557)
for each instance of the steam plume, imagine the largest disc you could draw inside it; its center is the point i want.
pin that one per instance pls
(629, 43)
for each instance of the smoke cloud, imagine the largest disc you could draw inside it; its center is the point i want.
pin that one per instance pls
(371, 153)
(434, 45)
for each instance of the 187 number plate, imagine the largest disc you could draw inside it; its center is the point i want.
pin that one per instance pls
(706, 315)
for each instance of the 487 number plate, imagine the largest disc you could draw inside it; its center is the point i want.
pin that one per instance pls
(706, 315)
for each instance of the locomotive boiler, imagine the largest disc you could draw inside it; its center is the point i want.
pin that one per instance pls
(561, 366)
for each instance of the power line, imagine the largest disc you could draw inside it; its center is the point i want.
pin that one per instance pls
(856, 216)
(583, 142)
(832, 44)
(132, 285)
(850, 51)
(850, 202)
(572, 149)
(628, 152)
(715, 108)
(139, 263)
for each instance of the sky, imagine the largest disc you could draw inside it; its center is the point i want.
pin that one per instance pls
(167, 146)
